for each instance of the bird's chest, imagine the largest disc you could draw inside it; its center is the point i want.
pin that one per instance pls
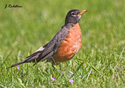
(70, 45)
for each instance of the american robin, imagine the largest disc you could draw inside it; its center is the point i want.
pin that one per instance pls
(64, 45)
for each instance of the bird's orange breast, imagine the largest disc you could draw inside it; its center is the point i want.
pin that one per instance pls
(69, 45)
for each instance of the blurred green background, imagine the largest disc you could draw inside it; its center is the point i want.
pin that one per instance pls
(23, 30)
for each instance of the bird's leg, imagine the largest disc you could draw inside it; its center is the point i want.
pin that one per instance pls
(53, 63)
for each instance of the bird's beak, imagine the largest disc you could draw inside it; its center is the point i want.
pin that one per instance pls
(82, 12)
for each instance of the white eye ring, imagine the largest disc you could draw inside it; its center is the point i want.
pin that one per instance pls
(72, 13)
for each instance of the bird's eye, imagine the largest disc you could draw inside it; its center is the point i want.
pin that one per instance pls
(72, 13)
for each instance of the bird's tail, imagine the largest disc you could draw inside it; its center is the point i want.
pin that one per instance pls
(35, 57)
(32, 58)
(18, 63)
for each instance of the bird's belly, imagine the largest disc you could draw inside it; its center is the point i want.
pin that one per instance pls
(69, 45)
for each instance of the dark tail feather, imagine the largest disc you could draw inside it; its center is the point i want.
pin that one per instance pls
(32, 58)
(18, 63)
(35, 57)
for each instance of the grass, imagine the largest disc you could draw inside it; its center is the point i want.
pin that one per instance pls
(100, 62)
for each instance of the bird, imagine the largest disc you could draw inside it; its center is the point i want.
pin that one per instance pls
(64, 45)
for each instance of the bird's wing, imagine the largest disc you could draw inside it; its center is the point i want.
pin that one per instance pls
(47, 50)
(39, 54)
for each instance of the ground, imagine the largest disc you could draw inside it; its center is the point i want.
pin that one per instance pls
(99, 63)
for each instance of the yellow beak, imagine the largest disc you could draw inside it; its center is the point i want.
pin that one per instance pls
(82, 12)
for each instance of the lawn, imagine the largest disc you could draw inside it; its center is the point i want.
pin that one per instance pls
(99, 63)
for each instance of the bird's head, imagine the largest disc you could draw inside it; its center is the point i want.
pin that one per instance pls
(73, 16)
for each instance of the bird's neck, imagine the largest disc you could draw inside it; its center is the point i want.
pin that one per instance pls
(69, 25)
